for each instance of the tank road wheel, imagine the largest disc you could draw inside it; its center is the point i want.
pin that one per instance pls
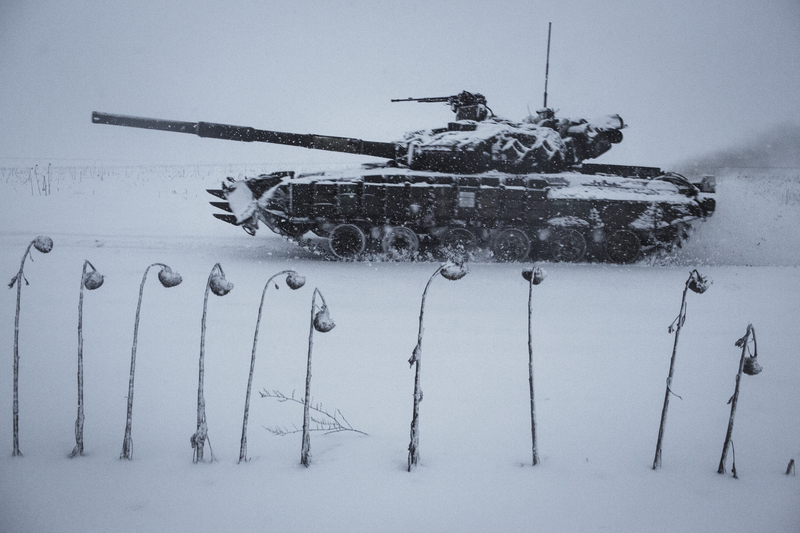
(456, 244)
(623, 247)
(347, 241)
(568, 246)
(400, 243)
(511, 245)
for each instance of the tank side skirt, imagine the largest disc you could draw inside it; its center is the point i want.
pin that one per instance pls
(426, 207)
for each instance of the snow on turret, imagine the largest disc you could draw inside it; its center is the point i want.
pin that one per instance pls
(541, 143)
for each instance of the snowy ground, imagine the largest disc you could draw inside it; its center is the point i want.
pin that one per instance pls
(601, 357)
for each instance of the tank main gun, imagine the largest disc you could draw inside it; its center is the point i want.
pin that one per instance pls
(247, 134)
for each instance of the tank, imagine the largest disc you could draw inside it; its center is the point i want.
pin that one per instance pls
(515, 190)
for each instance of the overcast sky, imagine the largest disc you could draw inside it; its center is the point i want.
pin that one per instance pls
(688, 77)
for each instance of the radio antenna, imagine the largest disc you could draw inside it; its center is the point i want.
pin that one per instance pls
(547, 65)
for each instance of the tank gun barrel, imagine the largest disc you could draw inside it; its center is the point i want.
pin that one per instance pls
(430, 99)
(247, 134)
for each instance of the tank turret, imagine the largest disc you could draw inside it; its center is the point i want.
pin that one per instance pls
(479, 141)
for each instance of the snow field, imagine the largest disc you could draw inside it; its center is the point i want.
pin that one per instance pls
(601, 356)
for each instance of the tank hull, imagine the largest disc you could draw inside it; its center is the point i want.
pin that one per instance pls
(567, 216)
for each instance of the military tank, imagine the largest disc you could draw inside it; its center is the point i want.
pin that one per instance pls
(514, 189)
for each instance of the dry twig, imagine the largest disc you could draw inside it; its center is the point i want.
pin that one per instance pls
(331, 423)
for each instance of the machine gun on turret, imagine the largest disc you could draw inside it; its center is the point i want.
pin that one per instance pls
(466, 105)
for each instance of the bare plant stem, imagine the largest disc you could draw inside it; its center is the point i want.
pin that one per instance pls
(305, 450)
(19, 278)
(199, 438)
(530, 373)
(243, 446)
(127, 441)
(220, 286)
(416, 358)
(78, 450)
(734, 400)
(678, 323)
